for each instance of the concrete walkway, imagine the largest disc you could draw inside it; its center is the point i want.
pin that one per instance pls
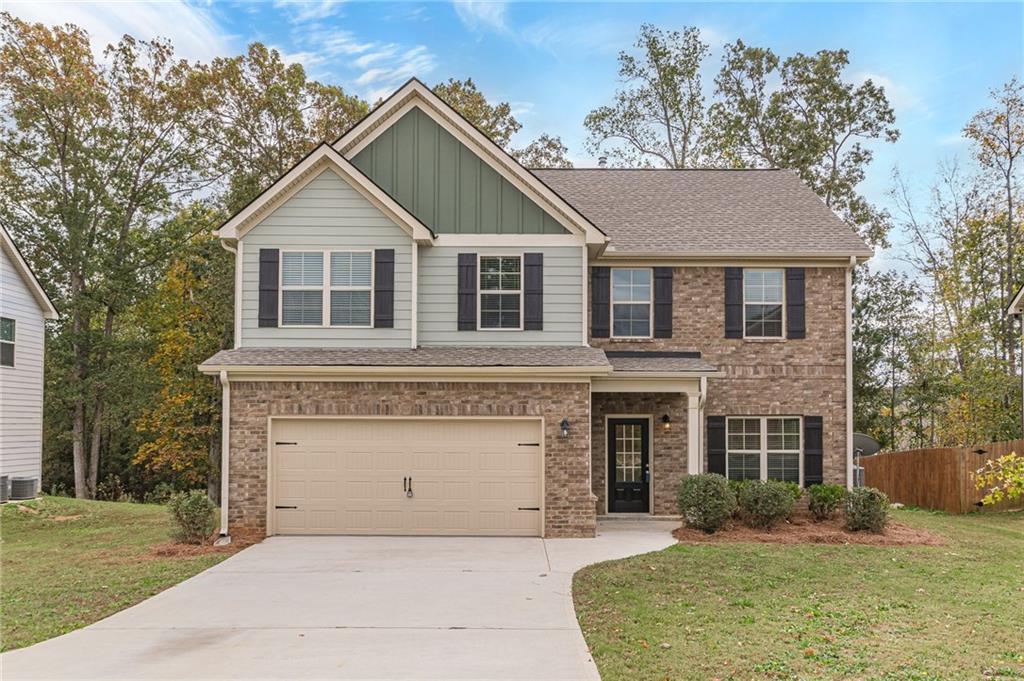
(355, 608)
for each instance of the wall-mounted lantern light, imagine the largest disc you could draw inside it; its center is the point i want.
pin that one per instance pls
(666, 422)
(564, 425)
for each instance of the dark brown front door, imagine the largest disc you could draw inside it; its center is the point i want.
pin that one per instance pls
(628, 467)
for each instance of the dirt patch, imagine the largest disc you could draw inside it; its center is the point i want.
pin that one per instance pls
(801, 529)
(65, 518)
(239, 541)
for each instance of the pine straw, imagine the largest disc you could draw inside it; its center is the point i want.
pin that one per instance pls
(802, 529)
(239, 540)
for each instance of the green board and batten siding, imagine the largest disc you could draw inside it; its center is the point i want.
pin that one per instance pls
(326, 214)
(447, 186)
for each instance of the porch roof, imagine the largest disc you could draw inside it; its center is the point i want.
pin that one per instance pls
(659, 362)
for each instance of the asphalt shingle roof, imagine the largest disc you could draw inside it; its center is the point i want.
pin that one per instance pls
(661, 362)
(447, 356)
(755, 212)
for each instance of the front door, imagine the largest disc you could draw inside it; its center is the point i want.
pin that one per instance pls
(628, 467)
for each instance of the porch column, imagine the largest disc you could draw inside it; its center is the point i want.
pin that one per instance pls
(693, 449)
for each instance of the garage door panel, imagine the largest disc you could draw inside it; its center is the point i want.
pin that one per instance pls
(346, 476)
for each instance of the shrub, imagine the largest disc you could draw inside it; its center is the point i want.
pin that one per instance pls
(867, 509)
(763, 504)
(737, 489)
(794, 489)
(706, 501)
(824, 500)
(160, 494)
(193, 516)
(112, 489)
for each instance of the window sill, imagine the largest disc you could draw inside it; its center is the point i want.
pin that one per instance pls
(619, 339)
(765, 340)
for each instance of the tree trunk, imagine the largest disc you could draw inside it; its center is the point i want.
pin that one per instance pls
(80, 352)
(78, 449)
(94, 448)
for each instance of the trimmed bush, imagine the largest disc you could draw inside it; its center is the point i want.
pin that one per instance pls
(763, 504)
(824, 500)
(794, 489)
(706, 501)
(160, 494)
(867, 509)
(737, 488)
(193, 516)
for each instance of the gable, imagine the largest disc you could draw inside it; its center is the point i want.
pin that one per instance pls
(445, 184)
(18, 276)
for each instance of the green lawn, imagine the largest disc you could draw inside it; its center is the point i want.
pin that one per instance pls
(75, 562)
(751, 611)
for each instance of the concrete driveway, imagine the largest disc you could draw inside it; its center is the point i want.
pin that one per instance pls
(355, 608)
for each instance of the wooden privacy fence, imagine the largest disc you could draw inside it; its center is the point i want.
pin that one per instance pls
(940, 478)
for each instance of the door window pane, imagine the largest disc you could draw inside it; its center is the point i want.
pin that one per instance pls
(628, 452)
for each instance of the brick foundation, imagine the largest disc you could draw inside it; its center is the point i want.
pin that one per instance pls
(569, 504)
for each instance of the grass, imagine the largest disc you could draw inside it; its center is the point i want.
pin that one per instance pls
(766, 611)
(73, 562)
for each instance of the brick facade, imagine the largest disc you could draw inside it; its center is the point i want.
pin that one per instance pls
(668, 447)
(804, 377)
(569, 504)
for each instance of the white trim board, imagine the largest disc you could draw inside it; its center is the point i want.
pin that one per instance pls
(36, 289)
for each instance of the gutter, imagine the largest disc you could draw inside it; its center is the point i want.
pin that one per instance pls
(410, 372)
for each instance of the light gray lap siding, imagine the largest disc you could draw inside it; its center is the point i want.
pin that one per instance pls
(21, 394)
(326, 214)
(563, 298)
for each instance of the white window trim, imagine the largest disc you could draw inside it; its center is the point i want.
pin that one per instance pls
(325, 288)
(13, 344)
(611, 303)
(782, 335)
(763, 451)
(480, 292)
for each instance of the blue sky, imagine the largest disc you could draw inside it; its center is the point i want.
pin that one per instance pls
(556, 62)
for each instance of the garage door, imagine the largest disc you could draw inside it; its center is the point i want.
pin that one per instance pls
(394, 476)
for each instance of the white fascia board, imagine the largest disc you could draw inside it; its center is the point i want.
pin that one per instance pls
(1017, 304)
(322, 158)
(43, 300)
(411, 373)
(416, 94)
(798, 258)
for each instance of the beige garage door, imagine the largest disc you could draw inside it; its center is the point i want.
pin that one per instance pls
(415, 476)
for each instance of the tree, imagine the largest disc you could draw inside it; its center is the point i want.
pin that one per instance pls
(493, 120)
(499, 125)
(659, 117)
(544, 152)
(260, 116)
(998, 136)
(189, 316)
(814, 122)
(95, 156)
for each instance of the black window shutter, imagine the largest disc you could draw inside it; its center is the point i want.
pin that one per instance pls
(384, 288)
(795, 316)
(533, 291)
(600, 304)
(662, 302)
(734, 302)
(467, 291)
(716, 445)
(813, 451)
(269, 263)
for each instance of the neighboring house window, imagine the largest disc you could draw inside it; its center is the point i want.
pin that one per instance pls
(631, 303)
(501, 292)
(763, 298)
(351, 288)
(302, 288)
(6, 342)
(763, 448)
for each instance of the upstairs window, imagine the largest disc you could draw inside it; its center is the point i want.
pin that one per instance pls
(501, 292)
(763, 448)
(351, 288)
(302, 288)
(6, 342)
(763, 300)
(631, 303)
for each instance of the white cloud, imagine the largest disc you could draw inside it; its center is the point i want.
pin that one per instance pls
(393, 70)
(302, 11)
(954, 139)
(482, 14)
(595, 37)
(520, 109)
(307, 59)
(902, 98)
(192, 30)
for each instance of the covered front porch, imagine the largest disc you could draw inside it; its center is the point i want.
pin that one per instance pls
(646, 429)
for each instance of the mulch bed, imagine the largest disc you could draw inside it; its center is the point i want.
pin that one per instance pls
(239, 540)
(802, 529)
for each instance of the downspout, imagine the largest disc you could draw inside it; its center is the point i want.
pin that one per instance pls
(237, 252)
(849, 372)
(225, 442)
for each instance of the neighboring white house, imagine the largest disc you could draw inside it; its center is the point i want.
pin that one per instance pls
(23, 307)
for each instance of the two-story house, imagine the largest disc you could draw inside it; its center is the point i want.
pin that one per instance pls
(432, 339)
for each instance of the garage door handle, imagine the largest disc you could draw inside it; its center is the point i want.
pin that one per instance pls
(286, 507)
(529, 508)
